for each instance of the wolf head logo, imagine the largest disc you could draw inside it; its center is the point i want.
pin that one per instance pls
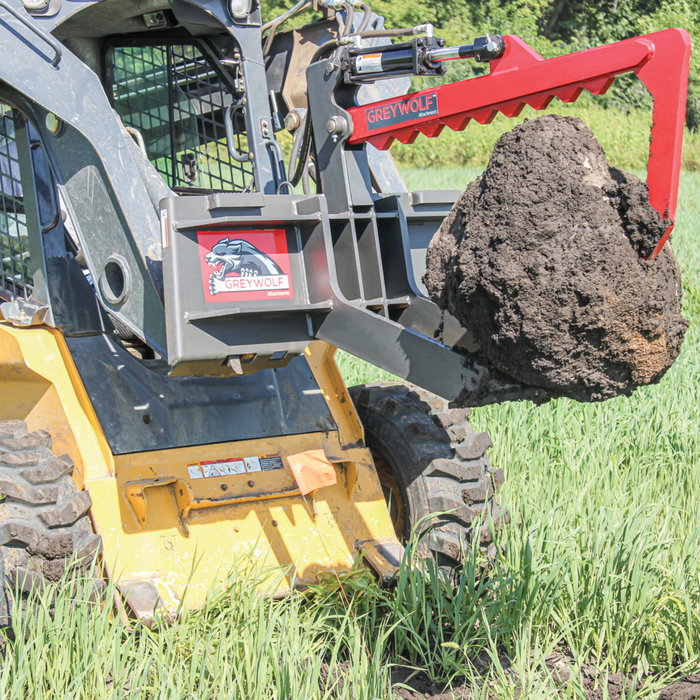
(241, 257)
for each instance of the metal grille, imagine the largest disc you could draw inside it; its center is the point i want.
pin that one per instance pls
(174, 97)
(15, 270)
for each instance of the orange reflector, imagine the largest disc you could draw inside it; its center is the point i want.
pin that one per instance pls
(312, 470)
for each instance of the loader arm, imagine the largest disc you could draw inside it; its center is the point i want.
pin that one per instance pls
(522, 77)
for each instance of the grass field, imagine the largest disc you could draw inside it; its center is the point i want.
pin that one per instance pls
(623, 135)
(601, 560)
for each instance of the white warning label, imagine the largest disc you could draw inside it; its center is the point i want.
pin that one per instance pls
(252, 464)
(233, 466)
(369, 63)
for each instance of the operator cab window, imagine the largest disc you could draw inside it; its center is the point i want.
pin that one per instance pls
(174, 97)
(15, 271)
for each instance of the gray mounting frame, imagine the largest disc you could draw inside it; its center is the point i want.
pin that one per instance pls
(353, 276)
(356, 257)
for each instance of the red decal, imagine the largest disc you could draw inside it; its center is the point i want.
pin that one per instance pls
(245, 265)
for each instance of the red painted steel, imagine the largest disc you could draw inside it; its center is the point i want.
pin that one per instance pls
(521, 76)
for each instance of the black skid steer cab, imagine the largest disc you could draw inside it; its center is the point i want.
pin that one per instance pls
(197, 208)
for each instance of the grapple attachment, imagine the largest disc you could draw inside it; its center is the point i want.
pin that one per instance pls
(522, 77)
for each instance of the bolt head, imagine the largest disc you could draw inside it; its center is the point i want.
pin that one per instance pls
(336, 125)
(292, 121)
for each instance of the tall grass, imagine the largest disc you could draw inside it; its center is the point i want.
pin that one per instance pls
(609, 494)
(623, 135)
(601, 561)
(241, 645)
(603, 549)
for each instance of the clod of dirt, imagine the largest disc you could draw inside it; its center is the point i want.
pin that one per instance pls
(544, 260)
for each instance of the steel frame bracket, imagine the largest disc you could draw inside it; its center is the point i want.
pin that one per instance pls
(29, 312)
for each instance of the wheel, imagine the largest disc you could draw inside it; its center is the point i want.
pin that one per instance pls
(430, 460)
(44, 518)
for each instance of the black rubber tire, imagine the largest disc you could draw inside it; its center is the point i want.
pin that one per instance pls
(438, 463)
(44, 518)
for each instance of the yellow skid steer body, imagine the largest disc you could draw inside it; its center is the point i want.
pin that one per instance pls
(169, 520)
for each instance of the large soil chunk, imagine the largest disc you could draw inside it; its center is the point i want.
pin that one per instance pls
(544, 260)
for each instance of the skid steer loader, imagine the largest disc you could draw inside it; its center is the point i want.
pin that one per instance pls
(174, 288)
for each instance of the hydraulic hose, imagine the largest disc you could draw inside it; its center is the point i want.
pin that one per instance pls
(349, 18)
(296, 144)
(276, 23)
(365, 17)
(306, 185)
(426, 29)
(285, 15)
(374, 33)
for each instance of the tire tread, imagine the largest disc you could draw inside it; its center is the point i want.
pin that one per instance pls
(44, 519)
(444, 466)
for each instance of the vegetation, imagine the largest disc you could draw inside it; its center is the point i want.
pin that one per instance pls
(601, 560)
(552, 27)
(624, 136)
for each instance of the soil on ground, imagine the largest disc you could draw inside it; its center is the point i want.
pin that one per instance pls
(545, 259)
(411, 686)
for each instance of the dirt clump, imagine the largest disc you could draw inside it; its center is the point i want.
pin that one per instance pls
(545, 259)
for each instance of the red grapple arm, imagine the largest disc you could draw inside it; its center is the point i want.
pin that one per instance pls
(521, 76)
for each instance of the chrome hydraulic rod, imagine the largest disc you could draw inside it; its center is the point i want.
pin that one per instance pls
(485, 48)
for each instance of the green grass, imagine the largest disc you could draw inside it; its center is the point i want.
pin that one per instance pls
(601, 558)
(623, 135)
(605, 498)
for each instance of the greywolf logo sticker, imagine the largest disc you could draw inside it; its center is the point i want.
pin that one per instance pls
(404, 110)
(243, 269)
